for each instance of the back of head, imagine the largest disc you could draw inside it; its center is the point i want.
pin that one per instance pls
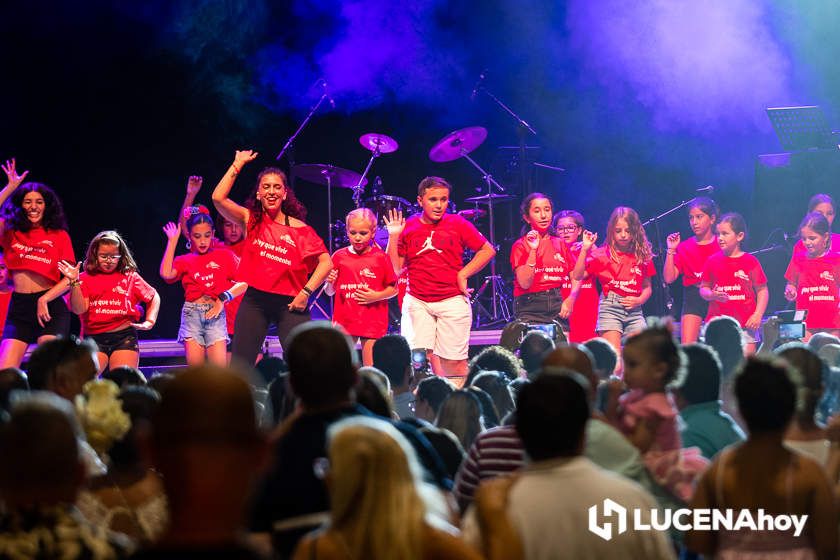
(434, 391)
(605, 356)
(372, 393)
(460, 413)
(373, 495)
(205, 405)
(270, 368)
(392, 355)
(574, 357)
(811, 375)
(62, 365)
(487, 408)
(724, 335)
(495, 384)
(124, 376)
(494, 358)
(41, 462)
(11, 379)
(281, 399)
(533, 349)
(551, 414)
(821, 339)
(322, 364)
(140, 403)
(703, 374)
(766, 395)
(830, 353)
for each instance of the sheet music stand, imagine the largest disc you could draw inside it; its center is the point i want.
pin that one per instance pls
(801, 128)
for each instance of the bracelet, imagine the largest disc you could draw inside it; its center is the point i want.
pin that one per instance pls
(531, 265)
(226, 296)
(306, 290)
(236, 170)
(75, 283)
(672, 251)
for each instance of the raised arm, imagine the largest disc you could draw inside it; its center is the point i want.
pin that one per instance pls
(13, 181)
(579, 271)
(395, 224)
(167, 272)
(669, 270)
(193, 186)
(226, 207)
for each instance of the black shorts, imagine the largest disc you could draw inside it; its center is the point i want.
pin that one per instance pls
(22, 319)
(693, 304)
(110, 342)
(540, 308)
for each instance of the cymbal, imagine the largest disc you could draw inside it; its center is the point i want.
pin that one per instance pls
(374, 140)
(319, 172)
(484, 198)
(472, 213)
(457, 143)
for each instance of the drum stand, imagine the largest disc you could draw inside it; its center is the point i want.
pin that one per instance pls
(359, 189)
(499, 310)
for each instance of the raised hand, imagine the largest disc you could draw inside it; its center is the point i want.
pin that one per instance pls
(194, 185)
(12, 176)
(532, 239)
(673, 241)
(244, 156)
(589, 239)
(69, 271)
(172, 231)
(394, 221)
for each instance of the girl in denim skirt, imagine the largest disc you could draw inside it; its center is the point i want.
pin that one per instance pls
(623, 267)
(207, 274)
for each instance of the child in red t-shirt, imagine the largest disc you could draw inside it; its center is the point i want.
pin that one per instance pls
(207, 275)
(33, 236)
(688, 258)
(569, 226)
(541, 261)
(824, 204)
(362, 281)
(107, 298)
(623, 267)
(733, 281)
(813, 277)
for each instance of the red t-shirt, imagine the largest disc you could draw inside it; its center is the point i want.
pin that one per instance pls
(738, 277)
(232, 307)
(278, 258)
(205, 275)
(691, 257)
(371, 270)
(554, 262)
(816, 282)
(112, 300)
(38, 250)
(434, 254)
(799, 248)
(623, 276)
(584, 316)
(5, 298)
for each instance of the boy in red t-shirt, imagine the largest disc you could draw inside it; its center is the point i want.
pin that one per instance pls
(813, 277)
(623, 267)
(436, 312)
(362, 281)
(733, 281)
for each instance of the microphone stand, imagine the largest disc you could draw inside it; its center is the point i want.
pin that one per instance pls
(289, 145)
(667, 302)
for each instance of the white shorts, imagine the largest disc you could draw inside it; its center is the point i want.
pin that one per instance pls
(442, 326)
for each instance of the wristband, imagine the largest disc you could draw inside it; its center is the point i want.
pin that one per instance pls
(672, 251)
(236, 170)
(75, 283)
(306, 290)
(226, 296)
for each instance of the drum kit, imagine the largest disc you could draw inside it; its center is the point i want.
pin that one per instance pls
(491, 300)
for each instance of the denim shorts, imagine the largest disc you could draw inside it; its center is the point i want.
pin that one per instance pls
(203, 331)
(612, 316)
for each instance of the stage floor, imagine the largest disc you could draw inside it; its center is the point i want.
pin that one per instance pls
(154, 351)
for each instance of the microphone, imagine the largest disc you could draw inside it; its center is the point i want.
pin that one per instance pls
(327, 92)
(478, 85)
(708, 189)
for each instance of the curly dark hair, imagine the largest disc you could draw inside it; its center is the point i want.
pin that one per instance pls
(291, 206)
(15, 218)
